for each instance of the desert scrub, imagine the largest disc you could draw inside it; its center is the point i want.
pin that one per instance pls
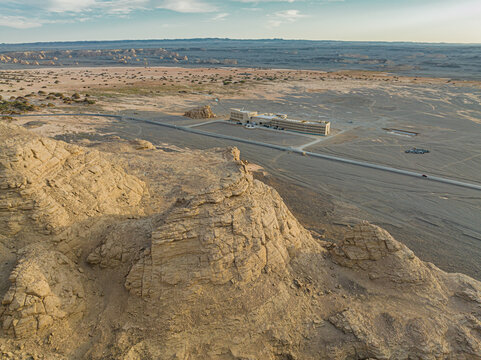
(133, 90)
(15, 106)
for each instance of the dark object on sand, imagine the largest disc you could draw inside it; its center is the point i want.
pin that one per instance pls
(416, 151)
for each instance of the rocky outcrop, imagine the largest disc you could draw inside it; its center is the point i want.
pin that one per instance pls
(364, 244)
(47, 185)
(203, 112)
(228, 234)
(119, 247)
(410, 302)
(374, 250)
(45, 288)
(140, 144)
(205, 263)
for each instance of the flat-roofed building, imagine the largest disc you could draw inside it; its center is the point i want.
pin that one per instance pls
(263, 119)
(243, 116)
(308, 127)
(280, 121)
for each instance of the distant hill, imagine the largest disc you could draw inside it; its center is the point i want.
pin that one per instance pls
(457, 61)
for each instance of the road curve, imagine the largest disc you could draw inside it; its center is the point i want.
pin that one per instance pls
(281, 148)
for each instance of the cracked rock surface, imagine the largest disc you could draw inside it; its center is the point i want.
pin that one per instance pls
(127, 251)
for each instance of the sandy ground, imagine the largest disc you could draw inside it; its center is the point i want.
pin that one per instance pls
(53, 126)
(171, 89)
(440, 223)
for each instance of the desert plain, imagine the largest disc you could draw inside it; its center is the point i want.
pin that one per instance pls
(442, 115)
(125, 239)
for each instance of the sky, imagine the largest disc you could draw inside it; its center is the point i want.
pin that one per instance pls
(451, 21)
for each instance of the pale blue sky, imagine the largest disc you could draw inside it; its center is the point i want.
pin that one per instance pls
(457, 21)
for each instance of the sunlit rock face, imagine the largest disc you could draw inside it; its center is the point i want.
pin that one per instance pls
(47, 185)
(181, 254)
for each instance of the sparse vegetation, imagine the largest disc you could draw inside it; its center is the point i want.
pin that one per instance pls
(16, 106)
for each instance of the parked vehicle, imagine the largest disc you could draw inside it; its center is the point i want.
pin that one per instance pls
(416, 151)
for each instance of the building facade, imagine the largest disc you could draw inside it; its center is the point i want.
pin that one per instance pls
(308, 127)
(242, 116)
(281, 122)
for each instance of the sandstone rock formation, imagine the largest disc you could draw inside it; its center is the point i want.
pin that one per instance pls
(183, 255)
(47, 185)
(140, 144)
(226, 234)
(45, 287)
(414, 300)
(203, 112)
(373, 249)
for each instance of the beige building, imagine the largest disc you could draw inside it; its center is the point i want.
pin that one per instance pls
(308, 127)
(281, 122)
(242, 116)
(264, 119)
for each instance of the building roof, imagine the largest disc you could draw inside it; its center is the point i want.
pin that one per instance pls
(243, 111)
(267, 117)
(303, 121)
(280, 117)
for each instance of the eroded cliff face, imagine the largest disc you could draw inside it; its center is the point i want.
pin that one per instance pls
(183, 255)
(47, 185)
(228, 235)
(44, 290)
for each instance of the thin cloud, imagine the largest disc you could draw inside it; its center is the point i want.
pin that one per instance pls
(108, 6)
(289, 15)
(221, 16)
(260, 1)
(187, 6)
(280, 17)
(18, 22)
(54, 6)
(53, 11)
(66, 5)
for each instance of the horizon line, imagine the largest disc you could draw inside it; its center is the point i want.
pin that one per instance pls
(242, 39)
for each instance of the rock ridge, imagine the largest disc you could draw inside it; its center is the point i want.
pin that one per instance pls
(47, 185)
(187, 256)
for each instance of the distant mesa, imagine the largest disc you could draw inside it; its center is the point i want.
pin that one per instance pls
(75, 57)
(214, 61)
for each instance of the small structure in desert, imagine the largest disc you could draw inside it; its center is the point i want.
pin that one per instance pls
(242, 116)
(281, 122)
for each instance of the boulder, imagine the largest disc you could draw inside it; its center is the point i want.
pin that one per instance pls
(203, 112)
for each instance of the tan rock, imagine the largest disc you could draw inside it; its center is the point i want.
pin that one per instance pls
(140, 144)
(215, 265)
(43, 290)
(203, 112)
(80, 184)
(229, 234)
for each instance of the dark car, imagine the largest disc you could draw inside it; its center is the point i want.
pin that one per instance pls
(416, 151)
